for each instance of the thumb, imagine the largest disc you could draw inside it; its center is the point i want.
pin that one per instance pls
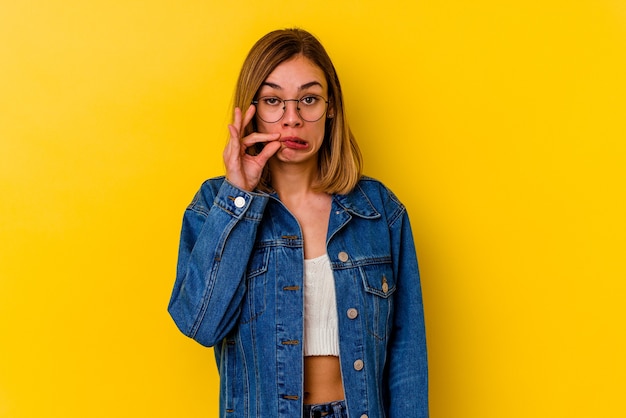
(268, 150)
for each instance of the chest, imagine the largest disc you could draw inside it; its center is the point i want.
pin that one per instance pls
(312, 216)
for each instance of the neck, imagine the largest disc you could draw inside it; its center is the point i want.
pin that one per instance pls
(293, 180)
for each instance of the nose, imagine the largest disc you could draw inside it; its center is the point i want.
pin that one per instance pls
(291, 117)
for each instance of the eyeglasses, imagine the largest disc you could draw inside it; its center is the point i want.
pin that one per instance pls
(271, 109)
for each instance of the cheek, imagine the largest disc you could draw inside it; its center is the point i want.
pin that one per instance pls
(262, 127)
(321, 128)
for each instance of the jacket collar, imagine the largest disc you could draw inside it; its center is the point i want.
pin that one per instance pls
(357, 203)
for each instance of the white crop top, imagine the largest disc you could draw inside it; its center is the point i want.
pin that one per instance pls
(321, 334)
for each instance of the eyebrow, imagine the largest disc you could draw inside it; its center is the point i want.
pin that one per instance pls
(302, 87)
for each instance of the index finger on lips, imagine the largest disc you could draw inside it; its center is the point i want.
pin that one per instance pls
(257, 137)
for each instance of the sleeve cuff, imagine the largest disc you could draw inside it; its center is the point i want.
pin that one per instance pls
(240, 202)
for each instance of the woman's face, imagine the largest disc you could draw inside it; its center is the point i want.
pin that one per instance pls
(296, 78)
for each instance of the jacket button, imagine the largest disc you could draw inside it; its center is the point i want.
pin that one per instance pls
(343, 256)
(240, 202)
(358, 365)
(352, 313)
(364, 416)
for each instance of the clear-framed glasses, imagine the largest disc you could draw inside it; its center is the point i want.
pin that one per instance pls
(271, 109)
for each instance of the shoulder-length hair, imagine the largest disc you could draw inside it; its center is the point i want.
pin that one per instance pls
(339, 160)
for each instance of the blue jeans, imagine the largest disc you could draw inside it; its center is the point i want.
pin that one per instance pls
(336, 409)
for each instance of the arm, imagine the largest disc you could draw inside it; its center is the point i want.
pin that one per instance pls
(406, 374)
(218, 234)
(219, 229)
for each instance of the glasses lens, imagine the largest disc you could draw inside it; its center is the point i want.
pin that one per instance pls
(311, 108)
(270, 109)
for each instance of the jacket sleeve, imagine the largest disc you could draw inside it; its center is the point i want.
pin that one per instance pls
(406, 371)
(217, 238)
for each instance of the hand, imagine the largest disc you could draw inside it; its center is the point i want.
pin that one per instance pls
(244, 170)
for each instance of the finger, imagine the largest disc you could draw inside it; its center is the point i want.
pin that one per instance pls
(235, 131)
(257, 137)
(234, 144)
(268, 150)
(237, 119)
(248, 116)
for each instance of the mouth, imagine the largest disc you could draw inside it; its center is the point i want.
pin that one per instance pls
(294, 142)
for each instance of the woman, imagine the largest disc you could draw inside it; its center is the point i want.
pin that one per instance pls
(299, 271)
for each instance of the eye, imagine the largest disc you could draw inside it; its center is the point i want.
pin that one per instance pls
(309, 100)
(271, 101)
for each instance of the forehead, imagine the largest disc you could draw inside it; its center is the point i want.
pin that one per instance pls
(297, 73)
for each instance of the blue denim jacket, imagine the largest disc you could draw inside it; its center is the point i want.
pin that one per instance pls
(239, 288)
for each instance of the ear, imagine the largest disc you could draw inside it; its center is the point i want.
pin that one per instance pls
(330, 112)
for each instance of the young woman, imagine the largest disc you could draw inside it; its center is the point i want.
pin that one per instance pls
(300, 272)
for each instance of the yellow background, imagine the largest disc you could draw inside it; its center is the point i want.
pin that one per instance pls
(500, 124)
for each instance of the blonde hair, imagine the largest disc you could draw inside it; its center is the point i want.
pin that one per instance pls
(340, 161)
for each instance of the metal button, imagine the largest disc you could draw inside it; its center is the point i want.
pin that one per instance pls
(364, 416)
(343, 256)
(240, 202)
(385, 287)
(358, 365)
(352, 313)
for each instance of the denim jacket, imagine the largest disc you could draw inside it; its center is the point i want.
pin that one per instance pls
(239, 288)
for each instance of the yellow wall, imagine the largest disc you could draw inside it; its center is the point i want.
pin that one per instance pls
(500, 124)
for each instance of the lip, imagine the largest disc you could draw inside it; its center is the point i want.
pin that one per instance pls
(294, 142)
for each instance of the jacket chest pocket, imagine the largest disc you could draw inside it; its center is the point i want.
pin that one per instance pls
(379, 285)
(256, 286)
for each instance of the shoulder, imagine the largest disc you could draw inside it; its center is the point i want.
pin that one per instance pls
(375, 190)
(212, 186)
(204, 197)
